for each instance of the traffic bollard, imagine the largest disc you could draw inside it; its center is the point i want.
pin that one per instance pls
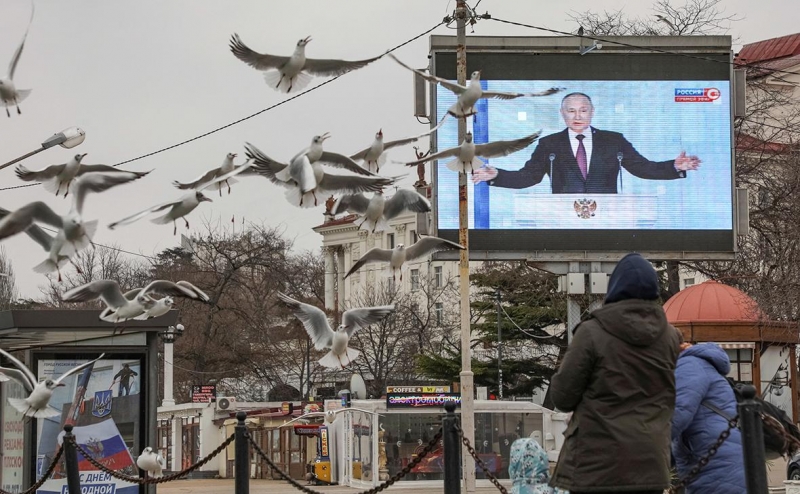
(71, 461)
(242, 454)
(452, 451)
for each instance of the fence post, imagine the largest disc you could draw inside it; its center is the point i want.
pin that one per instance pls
(71, 460)
(242, 455)
(452, 451)
(755, 462)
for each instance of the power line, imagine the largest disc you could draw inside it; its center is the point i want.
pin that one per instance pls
(657, 50)
(524, 331)
(218, 129)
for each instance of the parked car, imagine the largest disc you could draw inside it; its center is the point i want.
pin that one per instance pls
(793, 468)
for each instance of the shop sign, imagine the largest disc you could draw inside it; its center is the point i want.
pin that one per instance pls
(418, 389)
(204, 393)
(421, 400)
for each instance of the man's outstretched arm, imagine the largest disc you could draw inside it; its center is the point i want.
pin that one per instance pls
(529, 175)
(641, 167)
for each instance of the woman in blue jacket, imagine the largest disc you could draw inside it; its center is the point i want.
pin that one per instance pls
(700, 381)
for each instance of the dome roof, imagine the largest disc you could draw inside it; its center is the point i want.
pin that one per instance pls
(711, 301)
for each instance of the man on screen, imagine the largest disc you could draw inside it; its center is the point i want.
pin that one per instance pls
(582, 159)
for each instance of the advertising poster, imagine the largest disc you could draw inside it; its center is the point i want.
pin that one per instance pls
(12, 439)
(103, 404)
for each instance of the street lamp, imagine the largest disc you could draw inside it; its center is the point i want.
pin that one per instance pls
(67, 138)
(168, 337)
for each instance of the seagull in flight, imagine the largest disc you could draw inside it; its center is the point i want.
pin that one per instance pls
(151, 462)
(123, 308)
(398, 256)
(374, 157)
(152, 307)
(73, 234)
(666, 21)
(323, 336)
(469, 95)
(293, 73)
(54, 178)
(211, 175)
(183, 206)
(466, 155)
(306, 179)
(9, 94)
(36, 405)
(376, 211)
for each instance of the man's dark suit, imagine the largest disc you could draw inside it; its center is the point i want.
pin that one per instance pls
(603, 167)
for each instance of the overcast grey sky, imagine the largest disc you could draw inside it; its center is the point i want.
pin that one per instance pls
(139, 76)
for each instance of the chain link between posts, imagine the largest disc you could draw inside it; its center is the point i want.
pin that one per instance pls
(378, 488)
(150, 480)
(695, 471)
(46, 475)
(478, 461)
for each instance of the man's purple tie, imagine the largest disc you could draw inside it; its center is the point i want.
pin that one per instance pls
(581, 155)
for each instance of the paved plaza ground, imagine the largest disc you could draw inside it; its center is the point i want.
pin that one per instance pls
(225, 486)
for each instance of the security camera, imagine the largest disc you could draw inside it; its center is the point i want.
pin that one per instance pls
(330, 416)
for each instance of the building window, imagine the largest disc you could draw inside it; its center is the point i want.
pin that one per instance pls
(415, 279)
(688, 282)
(165, 441)
(390, 240)
(437, 276)
(438, 311)
(412, 236)
(741, 364)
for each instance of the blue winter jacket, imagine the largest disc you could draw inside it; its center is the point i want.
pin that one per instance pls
(700, 376)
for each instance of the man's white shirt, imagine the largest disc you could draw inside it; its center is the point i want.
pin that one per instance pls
(587, 144)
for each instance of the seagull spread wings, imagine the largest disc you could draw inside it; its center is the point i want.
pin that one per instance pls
(376, 254)
(343, 184)
(106, 290)
(26, 378)
(313, 319)
(405, 200)
(318, 67)
(12, 66)
(99, 182)
(489, 150)
(337, 160)
(179, 289)
(355, 203)
(23, 218)
(354, 319)
(35, 232)
(427, 245)
(264, 165)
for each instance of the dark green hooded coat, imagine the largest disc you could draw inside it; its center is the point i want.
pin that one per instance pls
(618, 379)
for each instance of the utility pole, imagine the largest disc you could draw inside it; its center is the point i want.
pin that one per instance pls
(466, 376)
(499, 347)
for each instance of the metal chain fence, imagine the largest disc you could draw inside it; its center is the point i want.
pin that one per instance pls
(143, 481)
(378, 488)
(478, 461)
(695, 471)
(46, 475)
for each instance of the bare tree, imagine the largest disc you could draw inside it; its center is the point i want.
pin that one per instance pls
(8, 287)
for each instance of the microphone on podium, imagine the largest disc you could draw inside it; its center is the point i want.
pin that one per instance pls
(552, 158)
(619, 170)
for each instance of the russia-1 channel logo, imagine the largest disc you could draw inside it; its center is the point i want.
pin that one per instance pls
(697, 95)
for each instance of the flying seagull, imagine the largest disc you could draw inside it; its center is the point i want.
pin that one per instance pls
(9, 94)
(123, 308)
(378, 210)
(318, 328)
(211, 175)
(54, 178)
(469, 95)
(51, 244)
(293, 73)
(153, 307)
(183, 206)
(374, 157)
(398, 256)
(466, 155)
(306, 180)
(36, 405)
(151, 462)
(73, 234)
(666, 21)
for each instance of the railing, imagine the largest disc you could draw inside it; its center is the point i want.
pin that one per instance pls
(750, 420)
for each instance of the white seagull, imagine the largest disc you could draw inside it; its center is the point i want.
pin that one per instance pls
(305, 180)
(466, 154)
(151, 462)
(374, 157)
(73, 233)
(293, 73)
(123, 308)
(181, 207)
(378, 210)
(9, 94)
(153, 307)
(56, 177)
(469, 95)
(318, 328)
(51, 244)
(210, 176)
(36, 405)
(398, 256)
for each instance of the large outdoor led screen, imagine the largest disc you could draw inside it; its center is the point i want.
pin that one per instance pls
(621, 164)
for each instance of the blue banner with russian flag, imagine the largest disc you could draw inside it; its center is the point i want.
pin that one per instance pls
(104, 442)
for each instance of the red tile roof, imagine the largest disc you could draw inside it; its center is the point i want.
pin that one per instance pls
(770, 49)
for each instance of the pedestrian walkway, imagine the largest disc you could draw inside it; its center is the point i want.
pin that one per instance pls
(225, 486)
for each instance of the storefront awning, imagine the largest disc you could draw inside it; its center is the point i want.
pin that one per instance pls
(736, 346)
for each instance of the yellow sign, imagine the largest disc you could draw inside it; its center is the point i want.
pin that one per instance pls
(323, 439)
(418, 389)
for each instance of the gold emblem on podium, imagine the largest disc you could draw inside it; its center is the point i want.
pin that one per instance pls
(585, 208)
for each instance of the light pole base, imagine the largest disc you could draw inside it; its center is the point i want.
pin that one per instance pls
(167, 403)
